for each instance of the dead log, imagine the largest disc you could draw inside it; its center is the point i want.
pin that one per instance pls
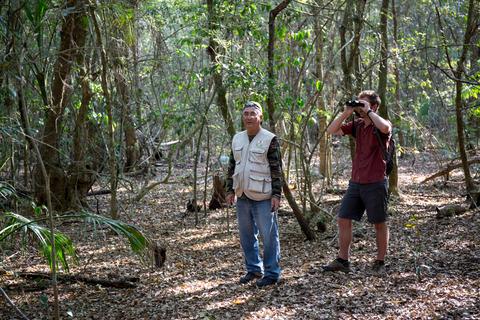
(450, 210)
(218, 195)
(449, 168)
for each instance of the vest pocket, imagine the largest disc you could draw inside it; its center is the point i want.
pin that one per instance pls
(237, 154)
(258, 155)
(260, 184)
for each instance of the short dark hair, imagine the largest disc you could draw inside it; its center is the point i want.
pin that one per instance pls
(372, 97)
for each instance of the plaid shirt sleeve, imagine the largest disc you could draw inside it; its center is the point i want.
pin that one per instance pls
(230, 171)
(275, 160)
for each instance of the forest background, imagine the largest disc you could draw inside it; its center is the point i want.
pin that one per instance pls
(119, 114)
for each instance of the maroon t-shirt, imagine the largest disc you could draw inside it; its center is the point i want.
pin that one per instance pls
(368, 165)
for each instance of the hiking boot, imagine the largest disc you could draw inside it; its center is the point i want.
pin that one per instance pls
(378, 267)
(338, 265)
(266, 281)
(249, 277)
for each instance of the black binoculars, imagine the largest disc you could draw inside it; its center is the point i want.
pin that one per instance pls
(354, 103)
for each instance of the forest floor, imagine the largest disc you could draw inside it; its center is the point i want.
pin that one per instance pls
(433, 266)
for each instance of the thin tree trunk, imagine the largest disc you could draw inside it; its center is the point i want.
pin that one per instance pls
(195, 169)
(132, 148)
(270, 54)
(213, 49)
(29, 137)
(470, 29)
(325, 161)
(349, 61)
(111, 136)
(136, 81)
(396, 68)
(382, 86)
(271, 113)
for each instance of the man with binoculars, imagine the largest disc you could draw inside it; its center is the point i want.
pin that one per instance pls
(367, 188)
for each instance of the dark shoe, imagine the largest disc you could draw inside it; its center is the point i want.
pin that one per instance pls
(249, 277)
(378, 267)
(337, 265)
(266, 281)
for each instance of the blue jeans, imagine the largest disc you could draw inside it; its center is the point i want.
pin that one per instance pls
(254, 216)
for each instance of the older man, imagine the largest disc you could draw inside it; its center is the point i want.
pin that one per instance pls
(255, 181)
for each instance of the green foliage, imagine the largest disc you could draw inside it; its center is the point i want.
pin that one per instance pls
(471, 92)
(35, 13)
(64, 248)
(139, 243)
(6, 190)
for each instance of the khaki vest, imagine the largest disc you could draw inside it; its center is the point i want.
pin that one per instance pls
(252, 174)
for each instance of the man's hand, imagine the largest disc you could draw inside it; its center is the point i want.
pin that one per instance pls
(230, 198)
(366, 106)
(347, 111)
(275, 203)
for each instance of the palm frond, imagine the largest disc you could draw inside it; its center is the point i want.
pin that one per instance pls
(65, 250)
(6, 190)
(139, 243)
(63, 244)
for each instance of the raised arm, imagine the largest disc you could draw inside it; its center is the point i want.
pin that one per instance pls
(335, 127)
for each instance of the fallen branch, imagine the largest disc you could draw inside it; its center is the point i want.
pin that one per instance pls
(10, 302)
(450, 210)
(450, 168)
(122, 283)
(98, 193)
(142, 193)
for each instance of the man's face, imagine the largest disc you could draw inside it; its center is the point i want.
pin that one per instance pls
(251, 119)
(361, 111)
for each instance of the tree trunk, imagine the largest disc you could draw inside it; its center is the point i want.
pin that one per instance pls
(396, 68)
(73, 34)
(348, 61)
(382, 87)
(213, 49)
(470, 29)
(325, 161)
(270, 53)
(132, 147)
(81, 173)
(271, 113)
(136, 79)
(108, 104)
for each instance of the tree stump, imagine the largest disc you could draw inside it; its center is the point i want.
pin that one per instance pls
(218, 195)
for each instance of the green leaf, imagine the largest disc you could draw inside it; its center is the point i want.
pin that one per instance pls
(139, 243)
(63, 245)
(28, 12)
(6, 190)
(319, 85)
(65, 250)
(282, 32)
(43, 299)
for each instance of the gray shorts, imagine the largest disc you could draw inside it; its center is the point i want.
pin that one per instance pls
(372, 197)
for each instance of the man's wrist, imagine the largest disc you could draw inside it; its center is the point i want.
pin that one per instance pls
(369, 111)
